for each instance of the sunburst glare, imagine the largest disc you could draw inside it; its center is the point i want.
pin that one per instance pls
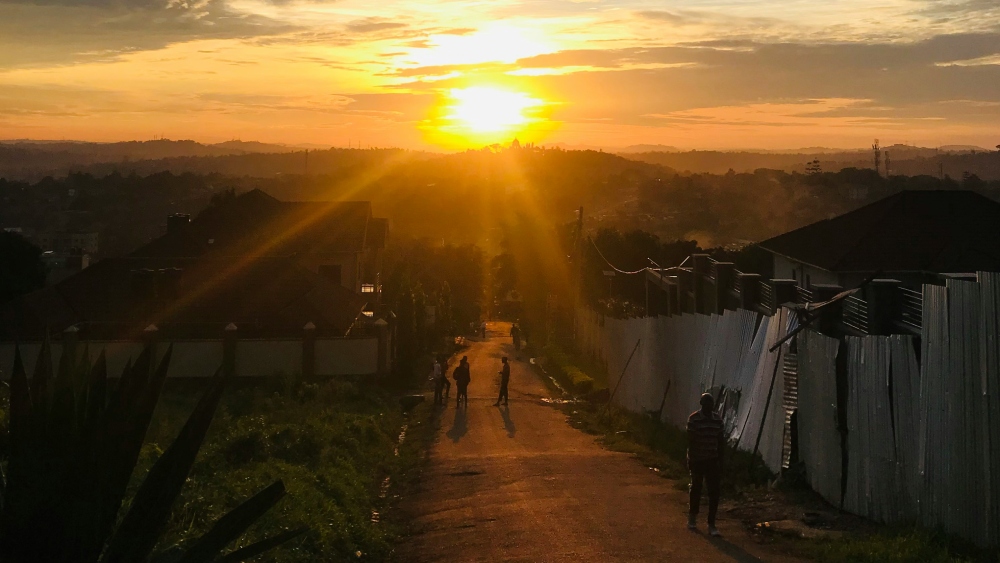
(490, 110)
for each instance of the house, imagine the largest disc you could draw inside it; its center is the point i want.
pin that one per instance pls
(267, 266)
(63, 242)
(912, 236)
(340, 241)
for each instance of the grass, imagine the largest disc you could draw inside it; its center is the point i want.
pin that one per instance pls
(335, 446)
(663, 448)
(560, 365)
(903, 545)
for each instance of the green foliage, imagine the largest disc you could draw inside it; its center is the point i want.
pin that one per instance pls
(561, 367)
(21, 267)
(662, 445)
(581, 382)
(73, 449)
(903, 546)
(333, 446)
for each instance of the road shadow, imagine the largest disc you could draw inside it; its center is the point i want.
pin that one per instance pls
(508, 423)
(459, 426)
(738, 554)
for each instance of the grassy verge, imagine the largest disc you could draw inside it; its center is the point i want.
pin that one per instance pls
(662, 447)
(560, 365)
(887, 546)
(336, 445)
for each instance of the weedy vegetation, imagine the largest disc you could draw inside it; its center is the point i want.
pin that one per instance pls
(119, 486)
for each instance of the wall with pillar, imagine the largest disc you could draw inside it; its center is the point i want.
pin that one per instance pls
(309, 355)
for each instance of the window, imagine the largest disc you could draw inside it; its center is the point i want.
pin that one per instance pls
(367, 288)
(332, 272)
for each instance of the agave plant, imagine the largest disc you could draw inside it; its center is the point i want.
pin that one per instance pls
(73, 445)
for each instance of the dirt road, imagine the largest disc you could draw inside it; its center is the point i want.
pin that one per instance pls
(520, 484)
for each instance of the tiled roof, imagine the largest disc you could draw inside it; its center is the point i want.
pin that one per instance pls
(912, 231)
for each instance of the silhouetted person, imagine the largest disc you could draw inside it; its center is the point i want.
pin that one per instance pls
(504, 380)
(482, 330)
(515, 335)
(442, 387)
(462, 377)
(704, 457)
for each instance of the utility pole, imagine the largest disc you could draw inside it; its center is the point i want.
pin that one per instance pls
(579, 271)
(878, 157)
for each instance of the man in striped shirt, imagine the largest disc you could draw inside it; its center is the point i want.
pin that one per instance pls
(704, 457)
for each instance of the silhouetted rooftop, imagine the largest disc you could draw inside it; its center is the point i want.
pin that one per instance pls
(912, 231)
(256, 224)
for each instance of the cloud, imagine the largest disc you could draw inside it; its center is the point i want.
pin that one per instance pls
(656, 86)
(368, 25)
(57, 32)
(676, 18)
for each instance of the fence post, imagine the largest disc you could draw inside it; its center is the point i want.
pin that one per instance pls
(150, 338)
(723, 279)
(883, 305)
(749, 291)
(782, 291)
(70, 338)
(382, 329)
(309, 351)
(699, 280)
(229, 351)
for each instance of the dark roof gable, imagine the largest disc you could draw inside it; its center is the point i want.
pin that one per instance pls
(256, 224)
(925, 231)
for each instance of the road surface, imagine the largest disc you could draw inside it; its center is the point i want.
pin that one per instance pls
(520, 484)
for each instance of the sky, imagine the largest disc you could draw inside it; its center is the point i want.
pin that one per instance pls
(455, 74)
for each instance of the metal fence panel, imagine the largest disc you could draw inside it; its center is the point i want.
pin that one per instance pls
(818, 421)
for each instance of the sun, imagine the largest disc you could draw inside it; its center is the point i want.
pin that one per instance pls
(485, 110)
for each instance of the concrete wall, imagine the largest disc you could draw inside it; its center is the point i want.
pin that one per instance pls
(201, 358)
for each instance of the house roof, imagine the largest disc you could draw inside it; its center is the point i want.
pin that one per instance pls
(265, 296)
(911, 231)
(256, 224)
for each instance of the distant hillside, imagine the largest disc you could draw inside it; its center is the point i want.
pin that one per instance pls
(33, 160)
(461, 198)
(954, 160)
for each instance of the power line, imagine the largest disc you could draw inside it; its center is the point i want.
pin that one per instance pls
(612, 266)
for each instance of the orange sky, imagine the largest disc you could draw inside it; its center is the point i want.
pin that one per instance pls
(456, 74)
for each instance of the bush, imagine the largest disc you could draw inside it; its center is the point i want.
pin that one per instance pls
(562, 368)
(581, 382)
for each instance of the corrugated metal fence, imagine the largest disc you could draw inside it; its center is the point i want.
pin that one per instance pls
(893, 428)
(678, 358)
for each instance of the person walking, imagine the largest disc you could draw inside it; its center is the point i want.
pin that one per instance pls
(462, 376)
(515, 335)
(442, 387)
(482, 330)
(704, 459)
(504, 380)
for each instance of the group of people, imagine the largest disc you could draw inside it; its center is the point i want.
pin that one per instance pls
(706, 438)
(463, 376)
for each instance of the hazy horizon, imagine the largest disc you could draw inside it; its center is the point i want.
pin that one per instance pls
(644, 147)
(714, 74)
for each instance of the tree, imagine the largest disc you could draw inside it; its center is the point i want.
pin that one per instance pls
(21, 267)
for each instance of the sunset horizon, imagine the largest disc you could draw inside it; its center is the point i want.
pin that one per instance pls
(711, 74)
